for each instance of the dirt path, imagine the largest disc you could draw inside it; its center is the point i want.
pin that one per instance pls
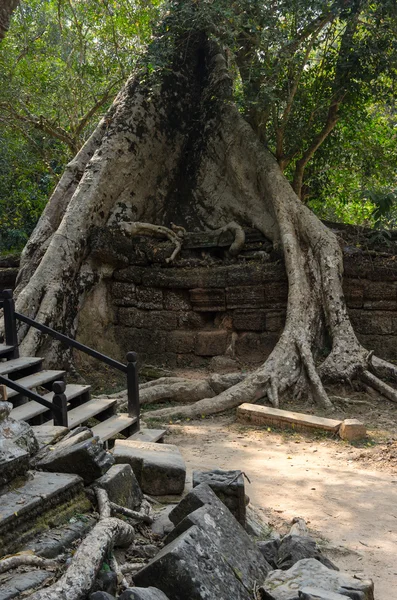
(352, 507)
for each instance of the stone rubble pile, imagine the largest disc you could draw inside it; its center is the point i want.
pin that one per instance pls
(200, 547)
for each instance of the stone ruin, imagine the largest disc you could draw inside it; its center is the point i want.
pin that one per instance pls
(203, 543)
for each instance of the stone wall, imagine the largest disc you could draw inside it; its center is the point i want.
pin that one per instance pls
(193, 311)
(8, 271)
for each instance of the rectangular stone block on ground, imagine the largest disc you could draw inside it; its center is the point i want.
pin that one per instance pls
(193, 568)
(228, 486)
(159, 468)
(352, 429)
(122, 486)
(20, 507)
(14, 461)
(264, 415)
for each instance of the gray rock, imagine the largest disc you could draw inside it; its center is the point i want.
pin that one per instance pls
(54, 542)
(317, 594)
(162, 524)
(122, 486)
(296, 547)
(228, 486)
(106, 582)
(269, 550)
(101, 596)
(139, 593)
(310, 573)
(14, 461)
(159, 468)
(230, 539)
(192, 567)
(17, 432)
(22, 582)
(196, 498)
(87, 459)
(49, 434)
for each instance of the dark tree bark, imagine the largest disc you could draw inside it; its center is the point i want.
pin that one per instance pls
(175, 149)
(6, 9)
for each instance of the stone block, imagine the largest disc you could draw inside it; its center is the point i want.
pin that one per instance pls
(149, 298)
(274, 271)
(384, 346)
(229, 488)
(352, 429)
(55, 541)
(123, 293)
(194, 320)
(159, 468)
(380, 290)
(275, 321)
(211, 343)
(249, 320)
(245, 296)
(49, 434)
(246, 274)
(264, 415)
(122, 486)
(310, 574)
(199, 496)
(101, 596)
(23, 582)
(16, 432)
(141, 340)
(254, 347)
(130, 274)
(276, 294)
(138, 593)
(354, 292)
(153, 319)
(20, 507)
(293, 548)
(372, 322)
(162, 525)
(181, 342)
(269, 550)
(208, 299)
(176, 300)
(194, 567)
(223, 364)
(87, 459)
(14, 461)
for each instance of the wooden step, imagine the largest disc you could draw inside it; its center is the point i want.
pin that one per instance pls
(18, 364)
(4, 350)
(34, 409)
(90, 409)
(32, 381)
(113, 426)
(148, 435)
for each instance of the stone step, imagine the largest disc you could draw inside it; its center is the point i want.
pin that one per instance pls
(32, 381)
(21, 508)
(4, 350)
(32, 409)
(148, 435)
(90, 409)
(264, 415)
(18, 364)
(113, 426)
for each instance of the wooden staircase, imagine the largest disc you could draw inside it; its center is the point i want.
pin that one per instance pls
(40, 396)
(28, 372)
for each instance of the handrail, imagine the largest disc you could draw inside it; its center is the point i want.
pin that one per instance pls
(70, 342)
(57, 410)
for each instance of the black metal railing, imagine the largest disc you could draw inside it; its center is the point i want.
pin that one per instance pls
(58, 406)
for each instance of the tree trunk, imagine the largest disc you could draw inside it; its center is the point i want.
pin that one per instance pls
(175, 149)
(6, 9)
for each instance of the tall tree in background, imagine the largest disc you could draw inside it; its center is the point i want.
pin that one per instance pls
(178, 146)
(6, 9)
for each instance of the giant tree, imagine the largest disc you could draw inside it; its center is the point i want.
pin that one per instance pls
(176, 147)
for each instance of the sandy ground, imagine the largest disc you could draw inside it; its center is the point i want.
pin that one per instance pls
(349, 507)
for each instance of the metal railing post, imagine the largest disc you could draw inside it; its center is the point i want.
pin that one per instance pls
(10, 324)
(60, 402)
(133, 388)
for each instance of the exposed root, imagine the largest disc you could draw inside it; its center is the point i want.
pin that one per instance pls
(239, 237)
(380, 386)
(27, 560)
(315, 382)
(138, 517)
(135, 228)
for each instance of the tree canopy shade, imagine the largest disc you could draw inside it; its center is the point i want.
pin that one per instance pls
(6, 10)
(176, 147)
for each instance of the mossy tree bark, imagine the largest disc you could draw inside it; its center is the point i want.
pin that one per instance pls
(175, 149)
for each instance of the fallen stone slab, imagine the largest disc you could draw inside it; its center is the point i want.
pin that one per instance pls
(230, 539)
(228, 486)
(310, 574)
(162, 525)
(52, 543)
(49, 434)
(14, 461)
(18, 432)
(149, 593)
(293, 548)
(21, 508)
(264, 415)
(122, 486)
(87, 459)
(269, 550)
(192, 567)
(101, 596)
(352, 430)
(196, 498)
(159, 468)
(317, 594)
(22, 582)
